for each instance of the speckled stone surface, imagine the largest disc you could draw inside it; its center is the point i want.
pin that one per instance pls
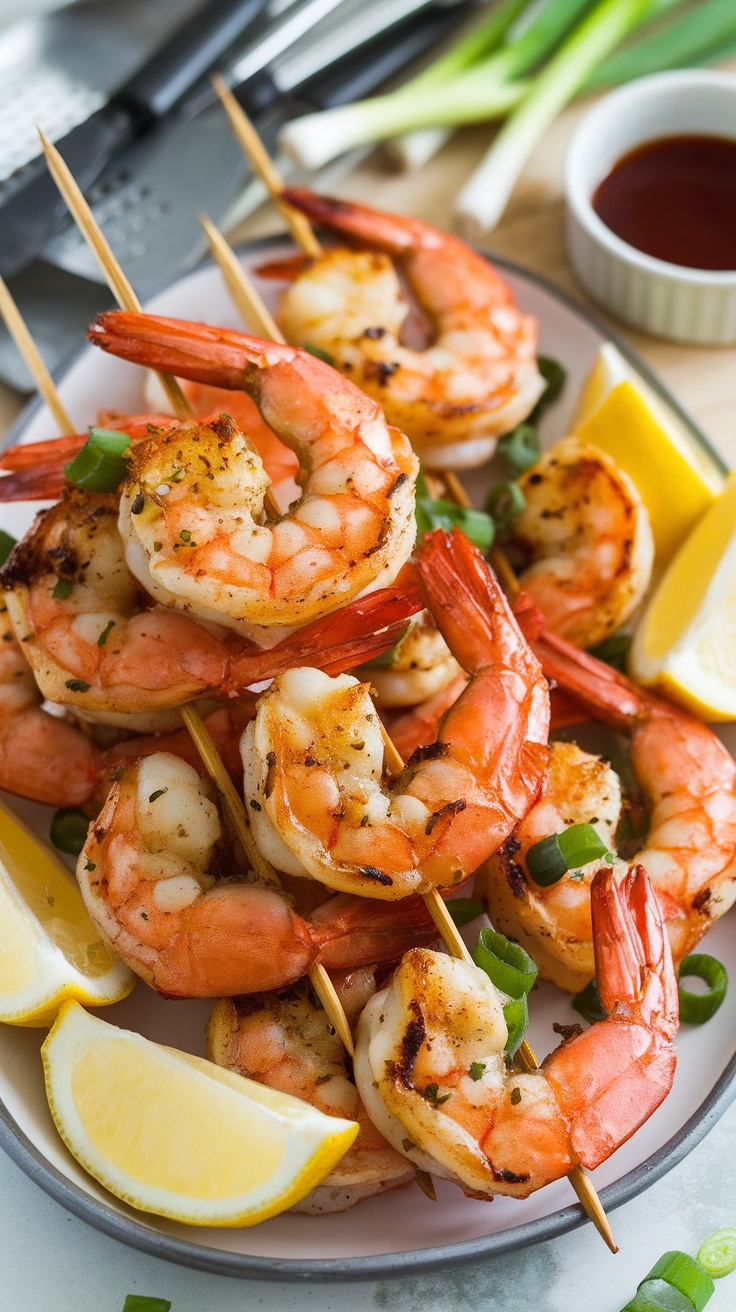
(53, 1261)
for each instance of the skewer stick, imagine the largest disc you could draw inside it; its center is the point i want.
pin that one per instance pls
(239, 285)
(243, 129)
(234, 807)
(16, 326)
(99, 245)
(457, 947)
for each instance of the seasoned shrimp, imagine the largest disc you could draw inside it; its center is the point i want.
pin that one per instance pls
(430, 1062)
(192, 510)
(586, 540)
(166, 889)
(418, 667)
(313, 756)
(285, 1040)
(95, 641)
(476, 380)
(553, 922)
(688, 780)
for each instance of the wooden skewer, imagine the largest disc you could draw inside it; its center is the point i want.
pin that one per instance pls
(234, 273)
(18, 330)
(99, 245)
(239, 285)
(243, 129)
(234, 807)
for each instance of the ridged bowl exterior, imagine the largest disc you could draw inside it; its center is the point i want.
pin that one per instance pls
(696, 306)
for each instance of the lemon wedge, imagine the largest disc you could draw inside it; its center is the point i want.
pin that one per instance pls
(676, 478)
(49, 948)
(685, 644)
(176, 1135)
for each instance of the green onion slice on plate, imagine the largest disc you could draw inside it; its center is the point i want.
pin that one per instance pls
(718, 1253)
(695, 1008)
(552, 857)
(69, 829)
(100, 466)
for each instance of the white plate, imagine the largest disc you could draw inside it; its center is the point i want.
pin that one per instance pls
(401, 1230)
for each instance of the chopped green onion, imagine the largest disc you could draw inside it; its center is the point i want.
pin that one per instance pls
(319, 354)
(100, 466)
(555, 376)
(463, 910)
(68, 830)
(7, 542)
(588, 1003)
(520, 448)
(551, 858)
(504, 503)
(658, 1296)
(613, 650)
(695, 1008)
(477, 1070)
(432, 512)
(718, 1253)
(142, 1303)
(62, 589)
(684, 1274)
(516, 1015)
(505, 963)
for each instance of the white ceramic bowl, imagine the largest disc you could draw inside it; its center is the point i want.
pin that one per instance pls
(667, 300)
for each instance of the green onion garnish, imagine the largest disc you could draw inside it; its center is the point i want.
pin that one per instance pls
(512, 971)
(520, 448)
(613, 650)
(319, 354)
(718, 1253)
(100, 466)
(68, 830)
(504, 503)
(680, 1273)
(463, 910)
(7, 542)
(433, 512)
(555, 377)
(551, 858)
(695, 1008)
(588, 1003)
(142, 1303)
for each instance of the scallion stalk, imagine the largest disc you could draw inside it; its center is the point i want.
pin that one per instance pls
(485, 196)
(701, 33)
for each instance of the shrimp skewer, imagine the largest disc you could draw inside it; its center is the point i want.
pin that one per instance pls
(313, 756)
(351, 531)
(285, 1042)
(95, 642)
(476, 380)
(163, 885)
(497, 1131)
(688, 779)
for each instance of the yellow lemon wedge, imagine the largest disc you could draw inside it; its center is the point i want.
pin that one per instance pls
(677, 479)
(49, 948)
(685, 644)
(176, 1135)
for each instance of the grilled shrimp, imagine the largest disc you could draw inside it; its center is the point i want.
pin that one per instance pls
(95, 641)
(285, 1040)
(476, 380)
(191, 511)
(586, 541)
(313, 756)
(688, 780)
(164, 886)
(418, 667)
(430, 1064)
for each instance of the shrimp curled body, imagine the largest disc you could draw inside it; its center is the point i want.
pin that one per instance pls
(430, 1061)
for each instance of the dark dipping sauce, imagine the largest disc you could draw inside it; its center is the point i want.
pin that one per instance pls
(675, 198)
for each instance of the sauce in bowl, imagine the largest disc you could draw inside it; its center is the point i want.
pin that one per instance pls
(675, 199)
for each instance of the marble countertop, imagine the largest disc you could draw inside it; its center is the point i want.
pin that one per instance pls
(51, 1260)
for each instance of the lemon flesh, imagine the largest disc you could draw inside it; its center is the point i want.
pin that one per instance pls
(174, 1134)
(685, 644)
(49, 948)
(676, 478)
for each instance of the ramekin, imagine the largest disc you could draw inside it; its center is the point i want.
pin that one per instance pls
(668, 300)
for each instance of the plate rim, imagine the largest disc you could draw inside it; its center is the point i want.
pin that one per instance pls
(184, 1252)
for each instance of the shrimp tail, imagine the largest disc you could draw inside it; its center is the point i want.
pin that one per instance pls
(611, 1078)
(389, 231)
(286, 269)
(46, 483)
(596, 687)
(47, 759)
(338, 641)
(355, 931)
